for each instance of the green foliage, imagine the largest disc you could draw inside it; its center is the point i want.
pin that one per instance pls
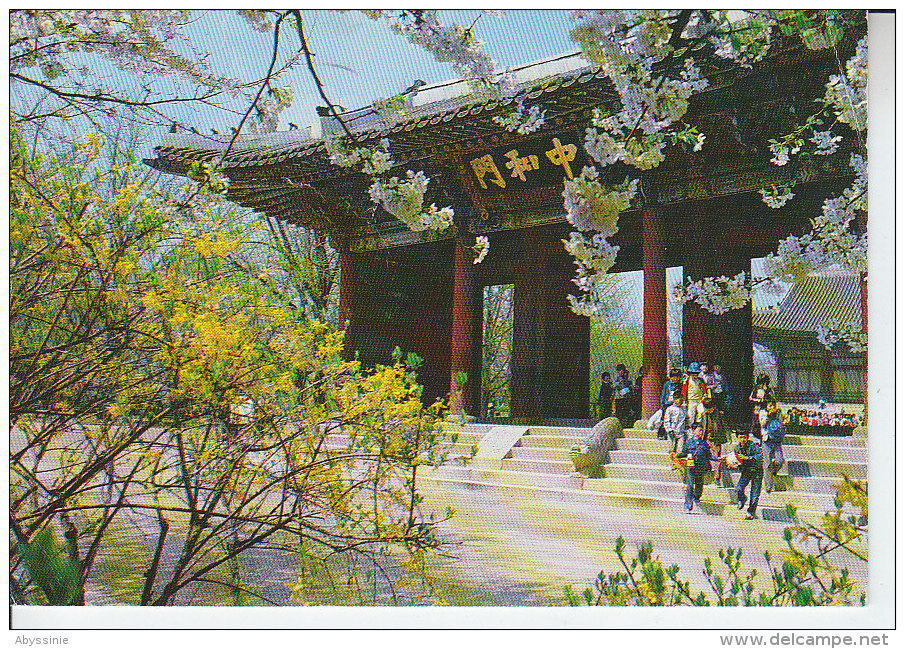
(496, 374)
(151, 368)
(612, 344)
(50, 567)
(802, 579)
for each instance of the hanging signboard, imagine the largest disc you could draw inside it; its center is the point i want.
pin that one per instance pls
(540, 162)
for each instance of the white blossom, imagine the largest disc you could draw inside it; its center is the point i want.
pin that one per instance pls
(827, 143)
(848, 94)
(404, 199)
(589, 206)
(520, 121)
(699, 143)
(849, 332)
(716, 294)
(372, 161)
(776, 198)
(481, 248)
(448, 44)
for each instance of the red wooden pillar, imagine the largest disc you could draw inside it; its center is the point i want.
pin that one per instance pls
(461, 347)
(654, 341)
(346, 288)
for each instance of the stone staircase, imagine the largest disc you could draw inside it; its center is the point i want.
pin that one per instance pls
(640, 473)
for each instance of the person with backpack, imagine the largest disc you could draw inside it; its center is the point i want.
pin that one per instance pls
(773, 434)
(715, 433)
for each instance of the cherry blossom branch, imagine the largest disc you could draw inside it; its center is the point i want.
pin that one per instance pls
(266, 83)
(317, 80)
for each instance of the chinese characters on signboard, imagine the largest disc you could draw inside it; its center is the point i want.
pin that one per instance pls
(540, 162)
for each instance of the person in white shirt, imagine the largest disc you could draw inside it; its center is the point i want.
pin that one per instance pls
(676, 421)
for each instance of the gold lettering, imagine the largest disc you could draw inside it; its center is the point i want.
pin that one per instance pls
(562, 155)
(485, 165)
(520, 165)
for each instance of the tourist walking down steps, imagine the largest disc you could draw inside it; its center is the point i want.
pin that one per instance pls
(698, 456)
(750, 460)
(773, 434)
(675, 421)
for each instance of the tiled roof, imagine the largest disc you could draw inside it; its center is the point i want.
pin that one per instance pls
(366, 124)
(816, 300)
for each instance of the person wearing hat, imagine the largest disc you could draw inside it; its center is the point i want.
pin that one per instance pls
(696, 451)
(695, 390)
(750, 460)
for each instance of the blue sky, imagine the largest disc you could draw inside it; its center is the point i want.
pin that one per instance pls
(360, 60)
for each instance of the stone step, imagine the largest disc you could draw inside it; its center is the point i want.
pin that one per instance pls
(789, 440)
(464, 437)
(454, 426)
(820, 440)
(660, 458)
(559, 431)
(538, 465)
(507, 477)
(643, 472)
(825, 453)
(712, 494)
(808, 453)
(639, 433)
(460, 448)
(554, 441)
(666, 497)
(644, 445)
(809, 468)
(540, 453)
(815, 484)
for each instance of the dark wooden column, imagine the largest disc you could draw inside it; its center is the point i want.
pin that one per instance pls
(346, 300)
(781, 376)
(461, 336)
(529, 336)
(654, 347)
(725, 338)
(826, 375)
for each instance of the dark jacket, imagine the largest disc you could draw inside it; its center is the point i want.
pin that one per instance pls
(666, 393)
(700, 451)
(623, 388)
(755, 462)
(606, 393)
(715, 427)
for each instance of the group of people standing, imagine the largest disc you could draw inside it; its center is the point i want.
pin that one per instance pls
(693, 412)
(621, 397)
